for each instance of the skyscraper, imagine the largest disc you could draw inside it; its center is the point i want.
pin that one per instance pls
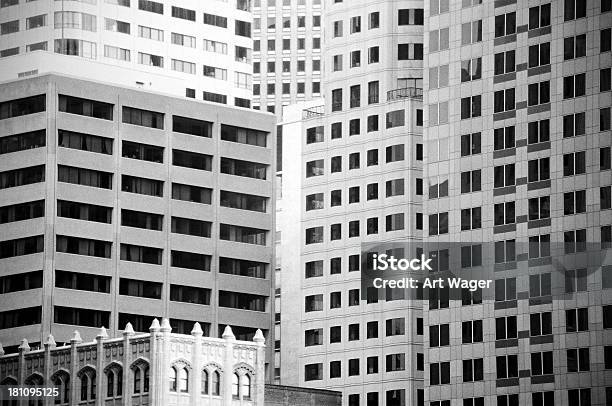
(200, 50)
(287, 46)
(358, 162)
(120, 198)
(517, 166)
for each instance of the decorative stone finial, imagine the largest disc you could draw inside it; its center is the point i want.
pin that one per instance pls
(128, 330)
(102, 334)
(1, 350)
(228, 334)
(165, 325)
(76, 337)
(25, 347)
(154, 325)
(197, 330)
(50, 342)
(259, 337)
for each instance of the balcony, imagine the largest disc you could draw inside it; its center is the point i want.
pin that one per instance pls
(311, 112)
(405, 93)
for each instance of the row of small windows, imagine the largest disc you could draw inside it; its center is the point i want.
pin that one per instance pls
(286, 22)
(404, 17)
(393, 153)
(394, 187)
(393, 222)
(135, 253)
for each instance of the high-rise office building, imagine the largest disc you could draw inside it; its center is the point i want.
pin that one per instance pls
(187, 168)
(517, 166)
(287, 65)
(184, 48)
(353, 177)
(119, 206)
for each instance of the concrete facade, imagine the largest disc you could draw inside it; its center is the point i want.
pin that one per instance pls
(189, 48)
(357, 155)
(517, 135)
(287, 53)
(176, 222)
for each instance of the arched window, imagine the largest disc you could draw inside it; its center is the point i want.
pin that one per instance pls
(137, 380)
(88, 384)
(110, 384)
(235, 386)
(114, 381)
(245, 386)
(34, 380)
(61, 380)
(84, 386)
(183, 380)
(172, 379)
(205, 382)
(216, 383)
(11, 382)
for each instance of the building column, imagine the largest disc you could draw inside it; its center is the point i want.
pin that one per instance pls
(49, 345)
(100, 394)
(126, 388)
(74, 368)
(154, 382)
(228, 365)
(260, 368)
(196, 373)
(163, 363)
(24, 348)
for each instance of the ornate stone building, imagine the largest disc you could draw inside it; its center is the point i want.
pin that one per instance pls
(156, 368)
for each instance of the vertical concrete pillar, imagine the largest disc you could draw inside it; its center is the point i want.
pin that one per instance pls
(74, 368)
(228, 365)
(100, 387)
(196, 374)
(49, 345)
(126, 388)
(164, 360)
(154, 381)
(260, 368)
(24, 348)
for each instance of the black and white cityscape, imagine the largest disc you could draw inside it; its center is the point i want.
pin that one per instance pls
(306, 202)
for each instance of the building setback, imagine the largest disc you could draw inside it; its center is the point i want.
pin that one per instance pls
(120, 206)
(517, 164)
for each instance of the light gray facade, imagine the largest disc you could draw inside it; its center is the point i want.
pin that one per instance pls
(517, 139)
(147, 211)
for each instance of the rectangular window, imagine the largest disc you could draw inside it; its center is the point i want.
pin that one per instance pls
(190, 260)
(21, 107)
(145, 118)
(151, 6)
(539, 16)
(121, 54)
(183, 40)
(505, 24)
(217, 21)
(574, 47)
(76, 47)
(83, 246)
(150, 60)
(85, 107)
(183, 13)
(82, 281)
(504, 62)
(23, 141)
(143, 186)
(22, 246)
